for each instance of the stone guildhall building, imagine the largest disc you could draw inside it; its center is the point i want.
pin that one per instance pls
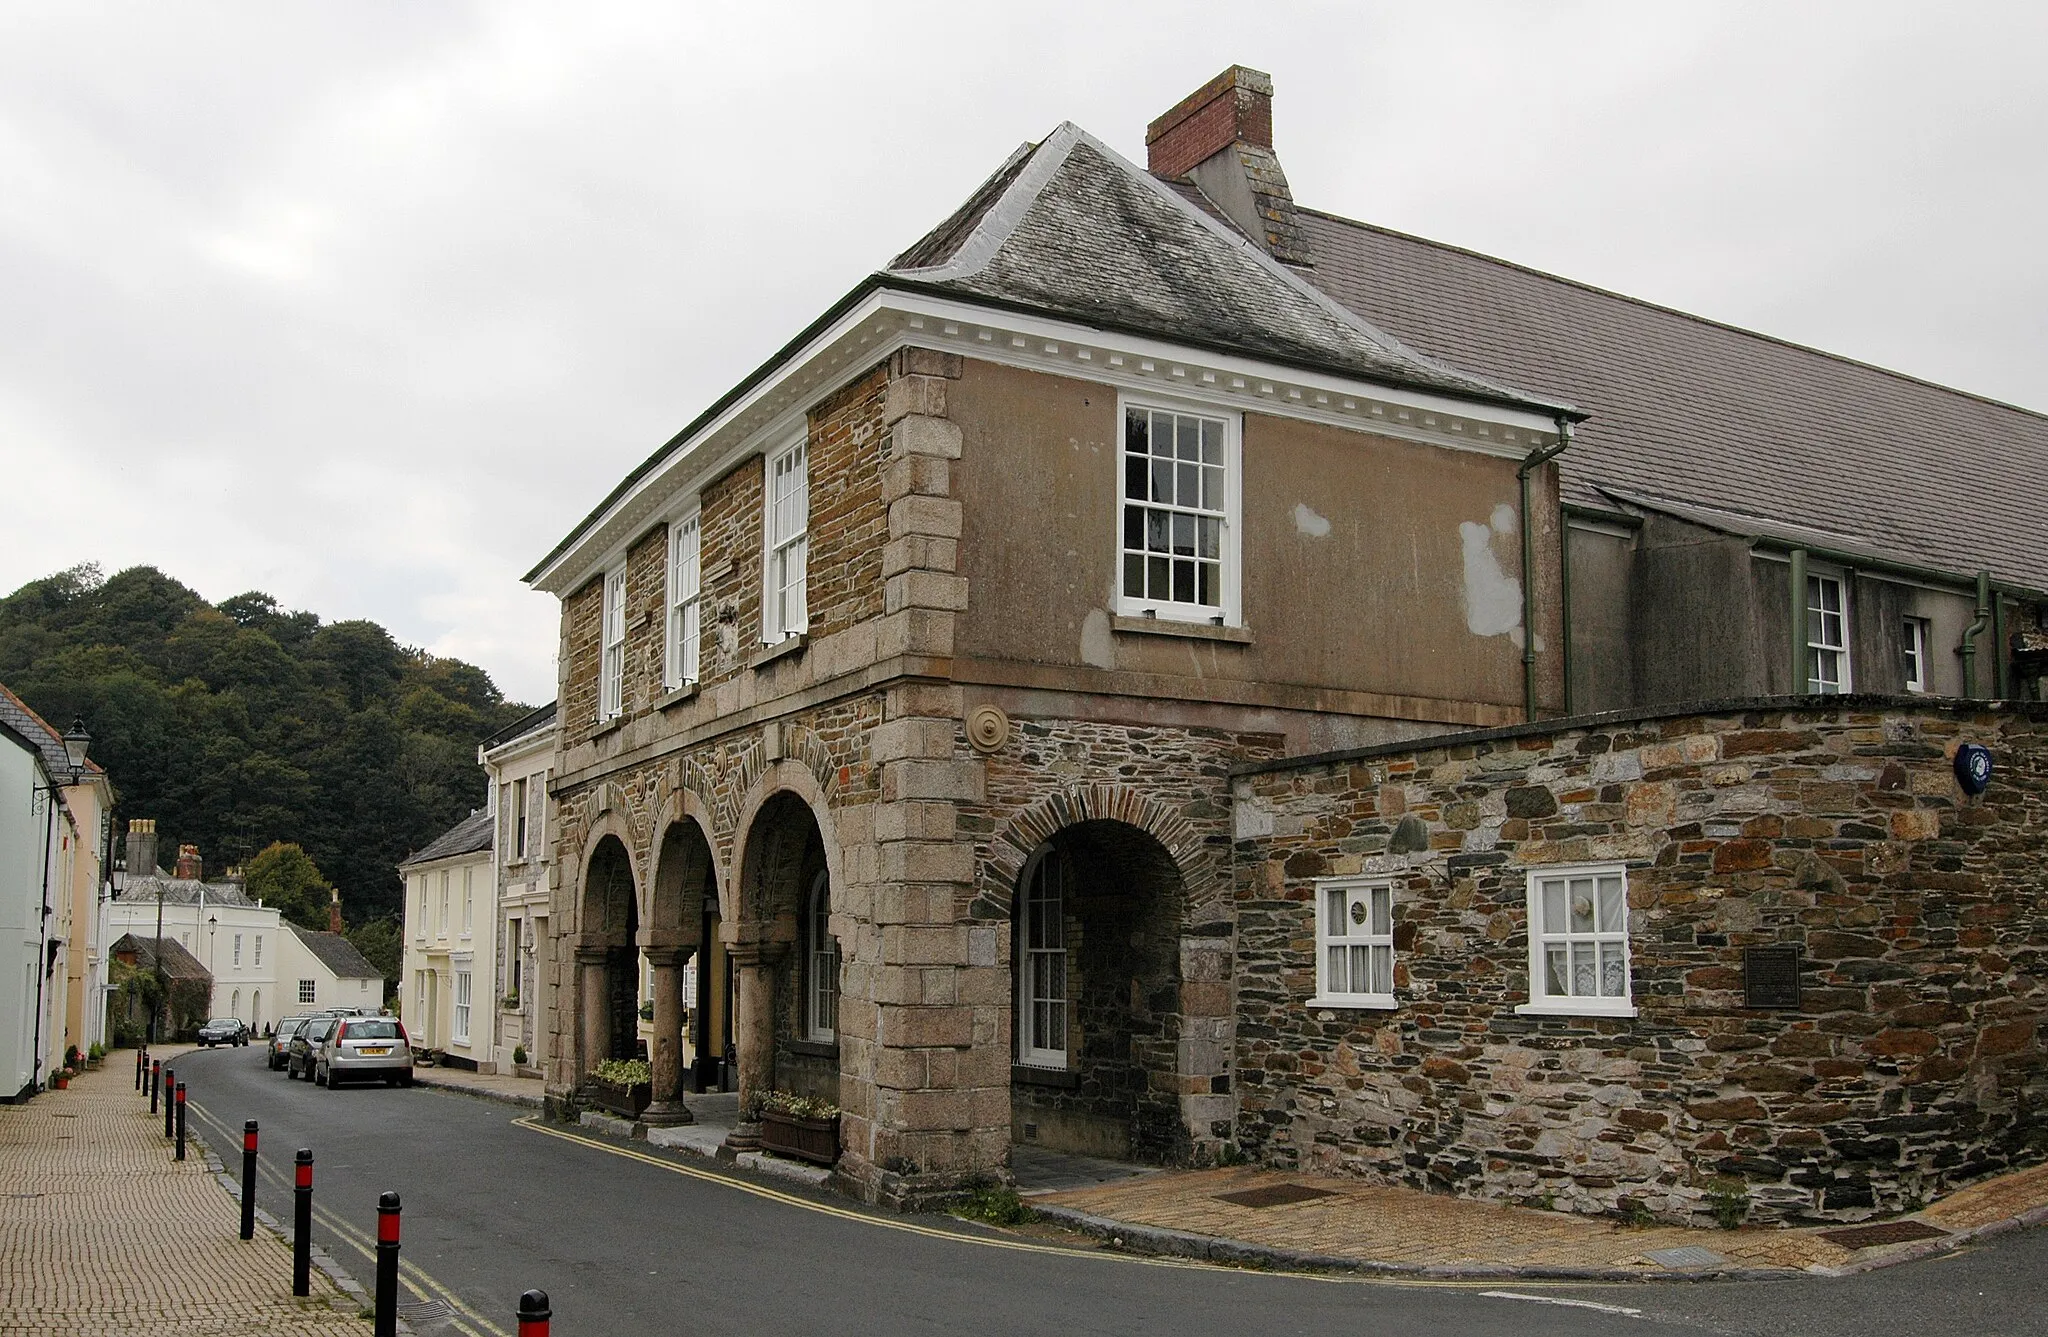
(1164, 673)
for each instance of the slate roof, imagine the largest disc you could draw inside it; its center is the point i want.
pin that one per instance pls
(1691, 414)
(15, 713)
(337, 953)
(468, 836)
(519, 728)
(182, 890)
(1071, 229)
(179, 964)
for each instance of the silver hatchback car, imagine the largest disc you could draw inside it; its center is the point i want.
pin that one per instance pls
(362, 1049)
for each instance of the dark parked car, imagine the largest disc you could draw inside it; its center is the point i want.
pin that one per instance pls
(311, 1038)
(279, 1049)
(224, 1031)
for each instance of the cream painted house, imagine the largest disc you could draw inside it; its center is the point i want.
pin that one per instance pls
(445, 989)
(518, 759)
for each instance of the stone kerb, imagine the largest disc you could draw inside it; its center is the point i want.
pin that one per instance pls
(1913, 1064)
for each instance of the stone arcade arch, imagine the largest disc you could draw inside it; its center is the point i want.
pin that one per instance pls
(682, 915)
(1098, 1022)
(783, 853)
(606, 955)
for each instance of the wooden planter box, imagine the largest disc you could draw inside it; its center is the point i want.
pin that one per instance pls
(813, 1140)
(628, 1102)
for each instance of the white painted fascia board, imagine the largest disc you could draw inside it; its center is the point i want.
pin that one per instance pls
(889, 319)
(520, 748)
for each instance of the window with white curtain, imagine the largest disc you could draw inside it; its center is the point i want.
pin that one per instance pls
(822, 950)
(1578, 942)
(1354, 943)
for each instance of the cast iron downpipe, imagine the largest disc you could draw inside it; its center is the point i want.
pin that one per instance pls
(1968, 649)
(1534, 461)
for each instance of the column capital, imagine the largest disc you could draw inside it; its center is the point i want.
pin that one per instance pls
(669, 957)
(592, 956)
(747, 955)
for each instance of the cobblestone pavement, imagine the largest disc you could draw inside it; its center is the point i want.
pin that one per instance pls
(102, 1232)
(1411, 1230)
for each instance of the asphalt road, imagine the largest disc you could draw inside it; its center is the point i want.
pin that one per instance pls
(629, 1240)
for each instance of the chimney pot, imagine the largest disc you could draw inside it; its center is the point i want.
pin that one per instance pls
(189, 865)
(142, 847)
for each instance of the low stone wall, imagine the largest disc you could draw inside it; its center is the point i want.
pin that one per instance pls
(1913, 1064)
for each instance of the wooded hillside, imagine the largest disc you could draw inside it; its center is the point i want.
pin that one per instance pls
(238, 724)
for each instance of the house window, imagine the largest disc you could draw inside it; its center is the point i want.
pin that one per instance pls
(1915, 638)
(259, 951)
(421, 929)
(441, 924)
(306, 991)
(519, 819)
(684, 580)
(462, 985)
(512, 961)
(612, 685)
(420, 987)
(238, 952)
(1827, 636)
(1177, 542)
(1354, 944)
(822, 965)
(784, 611)
(1578, 942)
(468, 900)
(1042, 965)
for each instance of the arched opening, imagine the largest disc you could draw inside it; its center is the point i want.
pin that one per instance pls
(256, 1011)
(1097, 1016)
(609, 956)
(690, 1031)
(235, 1004)
(787, 1004)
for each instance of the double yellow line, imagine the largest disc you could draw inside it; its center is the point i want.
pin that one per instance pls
(410, 1276)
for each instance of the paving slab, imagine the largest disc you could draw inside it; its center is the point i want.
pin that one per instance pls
(103, 1232)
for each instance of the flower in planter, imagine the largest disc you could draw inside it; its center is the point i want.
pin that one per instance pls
(623, 1071)
(793, 1106)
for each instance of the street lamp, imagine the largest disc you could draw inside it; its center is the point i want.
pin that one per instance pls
(212, 1010)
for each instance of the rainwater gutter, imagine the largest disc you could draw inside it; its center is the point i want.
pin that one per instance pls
(1968, 649)
(1536, 460)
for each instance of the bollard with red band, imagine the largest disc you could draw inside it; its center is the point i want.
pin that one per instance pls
(387, 1265)
(181, 1121)
(302, 1223)
(156, 1076)
(249, 1180)
(141, 1063)
(534, 1314)
(170, 1101)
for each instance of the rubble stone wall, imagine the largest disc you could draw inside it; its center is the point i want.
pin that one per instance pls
(1913, 1064)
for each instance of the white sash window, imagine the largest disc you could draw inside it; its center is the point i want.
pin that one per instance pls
(612, 688)
(684, 588)
(1042, 966)
(785, 611)
(1354, 944)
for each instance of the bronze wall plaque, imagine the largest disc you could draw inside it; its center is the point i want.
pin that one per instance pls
(1770, 976)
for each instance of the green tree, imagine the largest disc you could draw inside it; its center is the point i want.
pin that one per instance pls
(383, 942)
(285, 876)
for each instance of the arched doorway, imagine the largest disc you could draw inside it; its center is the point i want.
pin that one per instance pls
(608, 956)
(1097, 1020)
(788, 962)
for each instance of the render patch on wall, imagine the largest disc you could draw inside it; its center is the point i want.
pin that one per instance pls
(1493, 598)
(1309, 523)
(1098, 645)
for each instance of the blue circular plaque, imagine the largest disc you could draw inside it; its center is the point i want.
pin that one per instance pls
(1973, 768)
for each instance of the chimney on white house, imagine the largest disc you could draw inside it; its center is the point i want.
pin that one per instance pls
(1220, 137)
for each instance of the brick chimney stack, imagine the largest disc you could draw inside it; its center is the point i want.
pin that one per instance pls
(188, 862)
(142, 847)
(1220, 137)
(334, 924)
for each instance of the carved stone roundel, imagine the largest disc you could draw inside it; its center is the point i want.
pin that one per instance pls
(988, 728)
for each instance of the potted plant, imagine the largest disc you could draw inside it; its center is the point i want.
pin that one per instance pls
(95, 1056)
(509, 1003)
(625, 1086)
(803, 1128)
(61, 1079)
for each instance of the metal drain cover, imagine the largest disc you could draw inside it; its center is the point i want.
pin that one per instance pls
(1891, 1232)
(427, 1311)
(1275, 1195)
(1687, 1255)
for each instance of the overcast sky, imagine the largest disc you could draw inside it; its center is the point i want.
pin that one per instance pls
(366, 305)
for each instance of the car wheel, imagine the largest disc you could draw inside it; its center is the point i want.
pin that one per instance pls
(319, 1075)
(406, 1080)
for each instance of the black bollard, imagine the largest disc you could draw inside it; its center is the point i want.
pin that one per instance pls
(534, 1314)
(387, 1265)
(156, 1076)
(249, 1180)
(302, 1223)
(181, 1121)
(141, 1062)
(170, 1101)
